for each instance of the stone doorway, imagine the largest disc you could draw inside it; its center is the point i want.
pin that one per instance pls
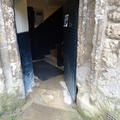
(98, 56)
(41, 31)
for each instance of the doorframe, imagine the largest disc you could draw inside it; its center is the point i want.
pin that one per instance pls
(76, 53)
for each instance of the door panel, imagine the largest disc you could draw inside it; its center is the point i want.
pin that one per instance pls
(70, 45)
(26, 60)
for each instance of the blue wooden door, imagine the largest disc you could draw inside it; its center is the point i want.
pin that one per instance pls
(70, 45)
(26, 60)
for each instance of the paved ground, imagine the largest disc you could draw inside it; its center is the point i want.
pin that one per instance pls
(49, 100)
(40, 112)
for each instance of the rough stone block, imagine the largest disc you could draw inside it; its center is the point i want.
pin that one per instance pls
(114, 15)
(111, 44)
(113, 31)
(110, 59)
(114, 2)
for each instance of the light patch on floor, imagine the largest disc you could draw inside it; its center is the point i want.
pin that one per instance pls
(67, 97)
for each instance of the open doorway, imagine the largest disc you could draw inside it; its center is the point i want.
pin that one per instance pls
(45, 27)
(47, 39)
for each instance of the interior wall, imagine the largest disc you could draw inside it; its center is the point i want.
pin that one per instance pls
(47, 35)
(21, 16)
(47, 6)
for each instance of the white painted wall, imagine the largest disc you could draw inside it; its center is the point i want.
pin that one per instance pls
(21, 16)
(47, 6)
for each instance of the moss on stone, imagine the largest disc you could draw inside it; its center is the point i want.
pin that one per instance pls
(100, 115)
(9, 103)
(92, 117)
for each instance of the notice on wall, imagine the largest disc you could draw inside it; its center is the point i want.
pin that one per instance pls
(66, 20)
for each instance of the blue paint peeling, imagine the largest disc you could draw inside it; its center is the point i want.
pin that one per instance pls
(26, 60)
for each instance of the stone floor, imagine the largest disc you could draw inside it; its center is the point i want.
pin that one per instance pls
(49, 100)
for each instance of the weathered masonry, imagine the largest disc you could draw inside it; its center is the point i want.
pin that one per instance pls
(97, 75)
(98, 67)
(11, 83)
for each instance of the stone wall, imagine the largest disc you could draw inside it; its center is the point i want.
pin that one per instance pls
(98, 70)
(11, 84)
(98, 58)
